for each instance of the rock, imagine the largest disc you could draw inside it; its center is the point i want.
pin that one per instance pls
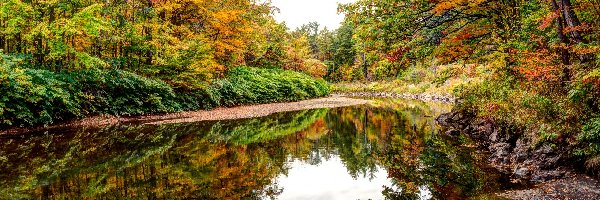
(521, 151)
(544, 149)
(522, 172)
(500, 151)
(457, 117)
(443, 119)
(452, 132)
(423, 97)
(485, 128)
(545, 175)
(510, 153)
(495, 136)
(550, 162)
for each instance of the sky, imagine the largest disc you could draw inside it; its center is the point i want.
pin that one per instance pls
(297, 12)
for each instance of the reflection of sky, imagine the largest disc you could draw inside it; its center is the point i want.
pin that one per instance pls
(329, 180)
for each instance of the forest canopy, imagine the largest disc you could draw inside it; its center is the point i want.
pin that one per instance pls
(186, 43)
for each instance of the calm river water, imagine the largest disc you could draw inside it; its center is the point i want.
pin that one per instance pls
(390, 149)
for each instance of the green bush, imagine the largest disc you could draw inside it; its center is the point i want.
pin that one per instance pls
(489, 98)
(122, 93)
(34, 97)
(589, 139)
(202, 98)
(38, 97)
(31, 97)
(245, 85)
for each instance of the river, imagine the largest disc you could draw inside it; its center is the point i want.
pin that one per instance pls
(388, 149)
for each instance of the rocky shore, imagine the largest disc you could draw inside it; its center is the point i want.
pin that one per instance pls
(423, 97)
(515, 156)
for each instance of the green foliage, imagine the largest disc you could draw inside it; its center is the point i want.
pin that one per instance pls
(342, 52)
(206, 97)
(586, 90)
(487, 96)
(31, 97)
(544, 106)
(39, 97)
(35, 97)
(589, 139)
(244, 85)
(118, 92)
(416, 75)
(443, 76)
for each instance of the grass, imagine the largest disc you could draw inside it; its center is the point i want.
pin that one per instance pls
(439, 80)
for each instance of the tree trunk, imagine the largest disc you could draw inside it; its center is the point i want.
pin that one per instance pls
(573, 22)
(149, 50)
(18, 44)
(2, 42)
(39, 51)
(564, 53)
(2, 37)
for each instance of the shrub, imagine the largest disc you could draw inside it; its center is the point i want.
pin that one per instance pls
(244, 85)
(38, 97)
(122, 93)
(35, 97)
(205, 97)
(488, 98)
(589, 139)
(31, 97)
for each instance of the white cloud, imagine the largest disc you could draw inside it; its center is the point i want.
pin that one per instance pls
(298, 12)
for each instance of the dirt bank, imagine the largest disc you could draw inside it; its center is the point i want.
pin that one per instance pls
(239, 112)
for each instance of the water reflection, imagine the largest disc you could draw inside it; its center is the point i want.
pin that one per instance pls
(329, 181)
(389, 149)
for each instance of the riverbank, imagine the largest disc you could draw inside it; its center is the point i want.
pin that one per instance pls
(236, 112)
(222, 113)
(550, 168)
(443, 98)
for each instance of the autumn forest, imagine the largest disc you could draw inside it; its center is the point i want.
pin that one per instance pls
(530, 67)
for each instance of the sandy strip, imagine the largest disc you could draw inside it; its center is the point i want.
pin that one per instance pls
(243, 112)
(240, 112)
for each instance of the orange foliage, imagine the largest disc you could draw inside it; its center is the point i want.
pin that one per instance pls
(444, 5)
(538, 66)
(548, 20)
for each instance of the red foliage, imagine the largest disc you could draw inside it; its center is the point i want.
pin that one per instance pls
(463, 35)
(539, 66)
(548, 20)
(396, 55)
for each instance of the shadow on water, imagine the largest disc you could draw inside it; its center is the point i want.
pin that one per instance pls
(246, 159)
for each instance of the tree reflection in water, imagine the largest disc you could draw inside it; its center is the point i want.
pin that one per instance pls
(240, 159)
